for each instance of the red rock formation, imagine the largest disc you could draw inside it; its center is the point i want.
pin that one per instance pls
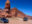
(14, 11)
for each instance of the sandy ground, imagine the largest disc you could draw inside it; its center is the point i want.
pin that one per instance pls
(18, 21)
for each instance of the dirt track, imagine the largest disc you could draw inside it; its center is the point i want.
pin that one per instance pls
(18, 21)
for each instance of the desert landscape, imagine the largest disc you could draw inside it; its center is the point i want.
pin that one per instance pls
(15, 15)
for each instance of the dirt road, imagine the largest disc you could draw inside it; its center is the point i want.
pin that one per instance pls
(18, 21)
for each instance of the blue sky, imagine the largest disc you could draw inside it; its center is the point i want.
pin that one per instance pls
(22, 5)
